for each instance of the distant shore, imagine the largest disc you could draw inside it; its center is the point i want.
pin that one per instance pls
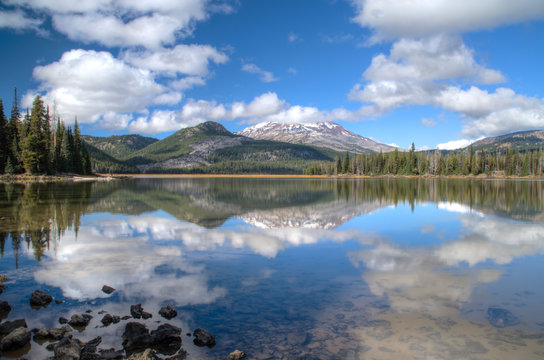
(27, 178)
(343, 176)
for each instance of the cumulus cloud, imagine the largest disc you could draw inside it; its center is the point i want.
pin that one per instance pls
(89, 84)
(191, 60)
(18, 20)
(265, 76)
(428, 122)
(455, 144)
(420, 18)
(151, 24)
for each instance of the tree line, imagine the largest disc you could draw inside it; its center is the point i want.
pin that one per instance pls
(40, 143)
(509, 162)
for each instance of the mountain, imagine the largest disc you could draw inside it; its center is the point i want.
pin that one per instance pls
(323, 134)
(521, 141)
(119, 146)
(207, 148)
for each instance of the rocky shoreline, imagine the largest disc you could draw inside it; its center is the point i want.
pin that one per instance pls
(138, 342)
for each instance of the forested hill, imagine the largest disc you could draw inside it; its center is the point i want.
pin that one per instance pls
(521, 141)
(205, 148)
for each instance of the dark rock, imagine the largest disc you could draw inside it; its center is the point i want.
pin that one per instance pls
(59, 301)
(107, 320)
(68, 349)
(9, 326)
(168, 312)
(88, 352)
(111, 354)
(146, 315)
(107, 289)
(203, 338)
(16, 339)
(5, 308)
(116, 319)
(237, 355)
(63, 320)
(136, 338)
(53, 333)
(88, 311)
(50, 347)
(2, 288)
(189, 334)
(501, 317)
(126, 317)
(80, 320)
(136, 311)
(166, 339)
(102, 312)
(181, 355)
(39, 299)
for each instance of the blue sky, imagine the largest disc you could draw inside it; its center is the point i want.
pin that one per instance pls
(433, 73)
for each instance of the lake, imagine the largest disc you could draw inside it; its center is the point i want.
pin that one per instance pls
(287, 268)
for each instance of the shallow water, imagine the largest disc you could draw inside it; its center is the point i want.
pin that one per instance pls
(288, 268)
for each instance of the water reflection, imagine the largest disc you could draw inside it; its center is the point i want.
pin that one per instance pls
(327, 282)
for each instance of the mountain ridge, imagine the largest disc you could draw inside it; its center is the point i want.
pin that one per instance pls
(321, 134)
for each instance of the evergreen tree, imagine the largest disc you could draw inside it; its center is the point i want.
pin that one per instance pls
(34, 151)
(3, 139)
(13, 136)
(67, 151)
(346, 168)
(76, 151)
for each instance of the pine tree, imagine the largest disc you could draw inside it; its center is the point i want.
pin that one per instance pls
(3, 139)
(76, 151)
(13, 136)
(34, 152)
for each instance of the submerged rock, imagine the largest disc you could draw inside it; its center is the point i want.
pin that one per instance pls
(501, 317)
(5, 308)
(203, 338)
(88, 352)
(53, 333)
(107, 289)
(136, 311)
(136, 338)
(63, 320)
(166, 339)
(16, 339)
(237, 355)
(168, 312)
(2, 288)
(39, 299)
(107, 320)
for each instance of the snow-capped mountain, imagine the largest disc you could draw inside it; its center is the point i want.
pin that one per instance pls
(322, 134)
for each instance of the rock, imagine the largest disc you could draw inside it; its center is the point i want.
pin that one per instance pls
(148, 354)
(80, 320)
(181, 355)
(501, 317)
(203, 338)
(136, 311)
(107, 320)
(67, 349)
(146, 315)
(126, 317)
(116, 319)
(168, 312)
(53, 333)
(5, 308)
(107, 289)
(88, 352)
(39, 299)
(237, 355)
(136, 338)
(8, 326)
(16, 339)
(63, 320)
(111, 354)
(3, 278)
(88, 311)
(59, 301)
(2, 288)
(166, 339)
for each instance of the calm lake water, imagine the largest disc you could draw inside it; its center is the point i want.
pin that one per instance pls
(288, 268)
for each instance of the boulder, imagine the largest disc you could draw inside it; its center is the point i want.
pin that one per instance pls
(166, 339)
(107, 320)
(88, 352)
(67, 349)
(168, 312)
(5, 308)
(63, 320)
(53, 333)
(16, 339)
(148, 354)
(107, 289)
(136, 338)
(203, 338)
(8, 326)
(136, 311)
(78, 320)
(39, 299)
(237, 355)
(2, 288)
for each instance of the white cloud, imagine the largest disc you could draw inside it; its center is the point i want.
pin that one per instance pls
(182, 59)
(420, 18)
(170, 98)
(18, 20)
(454, 144)
(428, 122)
(187, 82)
(263, 105)
(292, 37)
(122, 23)
(89, 84)
(292, 71)
(159, 121)
(265, 76)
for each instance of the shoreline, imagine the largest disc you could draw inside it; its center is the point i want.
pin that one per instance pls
(26, 178)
